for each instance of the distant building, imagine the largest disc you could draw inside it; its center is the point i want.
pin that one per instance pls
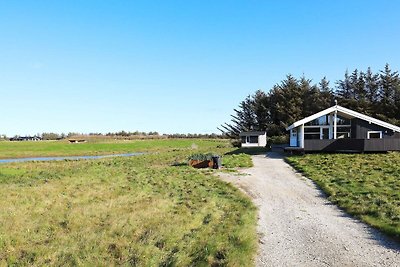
(77, 140)
(26, 138)
(253, 139)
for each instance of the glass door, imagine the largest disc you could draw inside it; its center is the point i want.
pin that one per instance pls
(324, 134)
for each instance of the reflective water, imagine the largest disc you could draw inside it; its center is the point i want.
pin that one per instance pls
(68, 158)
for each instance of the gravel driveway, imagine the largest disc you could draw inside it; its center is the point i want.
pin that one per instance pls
(299, 227)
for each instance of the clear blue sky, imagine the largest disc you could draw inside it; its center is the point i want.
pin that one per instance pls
(174, 66)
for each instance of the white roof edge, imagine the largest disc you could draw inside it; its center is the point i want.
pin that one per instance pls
(253, 132)
(368, 118)
(312, 117)
(346, 111)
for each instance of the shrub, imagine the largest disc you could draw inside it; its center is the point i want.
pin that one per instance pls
(279, 139)
(200, 156)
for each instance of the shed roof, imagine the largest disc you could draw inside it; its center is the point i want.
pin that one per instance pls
(346, 113)
(252, 133)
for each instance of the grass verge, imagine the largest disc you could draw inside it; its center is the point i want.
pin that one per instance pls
(365, 185)
(237, 160)
(98, 147)
(138, 211)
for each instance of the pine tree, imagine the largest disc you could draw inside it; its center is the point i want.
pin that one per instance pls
(388, 82)
(244, 119)
(288, 102)
(397, 103)
(261, 110)
(326, 94)
(352, 101)
(362, 104)
(343, 89)
(311, 97)
(372, 88)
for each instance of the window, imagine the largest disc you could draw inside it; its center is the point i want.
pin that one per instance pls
(312, 136)
(342, 135)
(326, 120)
(343, 129)
(319, 121)
(343, 132)
(312, 130)
(253, 139)
(374, 134)
(342, 121)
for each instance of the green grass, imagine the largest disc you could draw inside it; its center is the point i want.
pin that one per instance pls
(237, 160)
(365, 185)
(137, 211)
(98, 147)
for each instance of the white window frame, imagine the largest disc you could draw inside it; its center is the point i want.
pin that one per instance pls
(373, 132)
(248, 139)
(321, 132)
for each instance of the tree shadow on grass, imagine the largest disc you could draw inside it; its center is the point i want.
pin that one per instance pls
(275, 155)
(249, 151)
(179, 164)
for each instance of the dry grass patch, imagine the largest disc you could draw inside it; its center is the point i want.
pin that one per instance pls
(138, 211)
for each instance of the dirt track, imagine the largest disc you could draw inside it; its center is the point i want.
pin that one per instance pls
(299, 227)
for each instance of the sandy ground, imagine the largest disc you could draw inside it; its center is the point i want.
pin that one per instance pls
(299, 227)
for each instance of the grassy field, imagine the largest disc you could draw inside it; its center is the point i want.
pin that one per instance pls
(237, 160)
(98, 147)
(365, 185)
(148, 210)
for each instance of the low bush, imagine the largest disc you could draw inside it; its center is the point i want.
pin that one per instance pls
(279, 139)
(200, 156)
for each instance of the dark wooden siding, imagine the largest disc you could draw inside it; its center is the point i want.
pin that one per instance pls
(358, 145)
(385, 144)
(330, 145)
(360, 128)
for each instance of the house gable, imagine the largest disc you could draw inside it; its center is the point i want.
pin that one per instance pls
(346, 113)
(341, 129)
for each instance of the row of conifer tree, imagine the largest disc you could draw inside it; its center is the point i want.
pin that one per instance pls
(374, 94)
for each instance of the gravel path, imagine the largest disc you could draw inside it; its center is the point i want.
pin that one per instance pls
(299, 227)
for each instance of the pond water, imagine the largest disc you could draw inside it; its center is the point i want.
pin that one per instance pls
(68, 158)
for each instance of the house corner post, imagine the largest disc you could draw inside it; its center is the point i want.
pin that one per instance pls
(335, 125)
(330, 126)
(301, 133)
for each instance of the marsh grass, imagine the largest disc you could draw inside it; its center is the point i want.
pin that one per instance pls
(100, 147)
(138, 211)
(365, 185)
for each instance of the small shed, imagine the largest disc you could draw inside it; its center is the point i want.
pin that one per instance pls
(253, 139)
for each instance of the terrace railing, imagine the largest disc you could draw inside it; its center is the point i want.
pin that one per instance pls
(350, 144)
